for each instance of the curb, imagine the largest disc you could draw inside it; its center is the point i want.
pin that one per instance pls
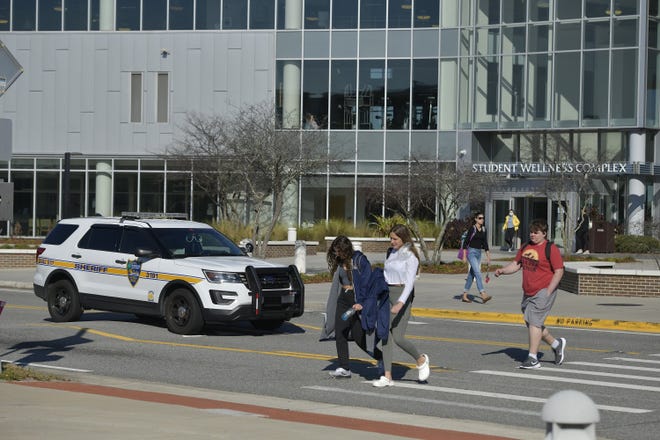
(558, 321)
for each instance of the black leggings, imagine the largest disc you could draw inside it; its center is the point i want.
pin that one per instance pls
(351, 326)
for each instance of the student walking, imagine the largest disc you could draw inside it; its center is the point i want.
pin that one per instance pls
(401, 269)
(477, 240)
(351, 271)
(510, 228)
(542, 268)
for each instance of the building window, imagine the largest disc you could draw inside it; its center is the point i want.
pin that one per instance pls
(181, 14)
(50, 15)
(4, 15)
(75, 15)
(234, 14)
(162, 103)
(372, 14)
(262, 14)
(128, 15)
(155, 15)
(136, 97)
(24, 13)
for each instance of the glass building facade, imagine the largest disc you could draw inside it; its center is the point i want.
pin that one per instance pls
(389, 81)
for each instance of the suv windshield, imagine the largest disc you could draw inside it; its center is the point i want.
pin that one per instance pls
(196, 242)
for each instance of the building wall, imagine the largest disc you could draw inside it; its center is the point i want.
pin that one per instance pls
(74, 94)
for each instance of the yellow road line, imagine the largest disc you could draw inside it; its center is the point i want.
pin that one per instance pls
(557, 321)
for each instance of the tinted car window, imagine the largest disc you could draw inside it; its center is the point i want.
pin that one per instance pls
(60, 233)
(196, 242)
(101, 238)
(136, 238)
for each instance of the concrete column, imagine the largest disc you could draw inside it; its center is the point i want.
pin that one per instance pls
(291, 95)
(107, 15)
(103, 189)
(293, 14)
(636, 190)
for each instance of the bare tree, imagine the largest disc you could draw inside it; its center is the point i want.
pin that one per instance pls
(433, 187)
(245, 162)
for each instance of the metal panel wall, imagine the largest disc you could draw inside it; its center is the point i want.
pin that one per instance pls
(74, 94)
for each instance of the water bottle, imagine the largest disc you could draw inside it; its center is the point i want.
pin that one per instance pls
(347, 314)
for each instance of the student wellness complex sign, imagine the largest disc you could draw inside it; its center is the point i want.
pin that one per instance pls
(557, 168)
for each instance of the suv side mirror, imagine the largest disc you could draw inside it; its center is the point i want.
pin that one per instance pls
(146, 253)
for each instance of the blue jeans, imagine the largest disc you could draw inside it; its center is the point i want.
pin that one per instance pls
(474, 259)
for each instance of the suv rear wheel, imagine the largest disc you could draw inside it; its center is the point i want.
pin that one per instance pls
(182, 313)
(63, 302)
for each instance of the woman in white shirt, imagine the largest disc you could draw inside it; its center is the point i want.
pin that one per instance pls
(401, 268)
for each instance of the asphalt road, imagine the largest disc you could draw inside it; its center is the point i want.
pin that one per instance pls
(474, 365)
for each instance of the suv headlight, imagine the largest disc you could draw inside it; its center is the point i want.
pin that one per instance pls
(222, 277)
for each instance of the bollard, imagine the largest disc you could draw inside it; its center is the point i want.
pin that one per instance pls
(291, 234)
(357, 246)
(570, 415)
(300, 256)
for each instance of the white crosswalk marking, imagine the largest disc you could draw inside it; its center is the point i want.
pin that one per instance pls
(422, 400)
(644, 361)
(507, 396)
(535, 376)
(615, 366)
(603, 374)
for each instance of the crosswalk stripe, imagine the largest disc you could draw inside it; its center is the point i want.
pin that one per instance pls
(568, 380)
(644, 361)
(453, 403)
(604, 374)
(616, 366)
(509, 396)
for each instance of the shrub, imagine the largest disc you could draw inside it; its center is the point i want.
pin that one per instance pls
(636, 244)
(454, 230)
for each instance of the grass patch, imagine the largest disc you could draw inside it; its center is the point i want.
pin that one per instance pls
(16, 373)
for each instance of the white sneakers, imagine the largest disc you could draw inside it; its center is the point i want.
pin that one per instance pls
(382, 382)
(424, 369)
(340, 373)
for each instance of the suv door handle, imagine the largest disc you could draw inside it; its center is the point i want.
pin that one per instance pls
(76, 256)
(120, 261)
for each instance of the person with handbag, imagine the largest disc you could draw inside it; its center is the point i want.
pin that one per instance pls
(477, 242)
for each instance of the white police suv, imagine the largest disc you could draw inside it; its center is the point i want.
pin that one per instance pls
(185, 272)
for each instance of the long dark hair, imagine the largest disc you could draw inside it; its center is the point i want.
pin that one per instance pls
(340, 253)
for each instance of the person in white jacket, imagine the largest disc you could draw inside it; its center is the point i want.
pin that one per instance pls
(401, 269)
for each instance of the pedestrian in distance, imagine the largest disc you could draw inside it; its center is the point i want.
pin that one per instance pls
(401, 270)
(542, 268)
(475, 243)
(582, 233)
(510, 228)
(350, 271)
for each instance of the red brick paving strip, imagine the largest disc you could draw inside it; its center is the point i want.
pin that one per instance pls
(272, 413)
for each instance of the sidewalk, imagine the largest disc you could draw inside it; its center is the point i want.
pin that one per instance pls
(107, 408)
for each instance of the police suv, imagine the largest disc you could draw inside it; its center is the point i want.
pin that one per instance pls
(185, 272)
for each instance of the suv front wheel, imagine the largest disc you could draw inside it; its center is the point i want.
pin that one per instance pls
(63, 302)
(183, 315)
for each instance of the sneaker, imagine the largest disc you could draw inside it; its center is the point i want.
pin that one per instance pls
(559, 351)
(340, 373)
(579, 251)
(382, 382)
(530, 364)
(586, 252)
(424, 370)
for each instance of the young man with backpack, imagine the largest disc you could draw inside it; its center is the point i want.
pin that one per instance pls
(542, 268)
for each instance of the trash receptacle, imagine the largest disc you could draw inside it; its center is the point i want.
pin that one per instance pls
(601, 237)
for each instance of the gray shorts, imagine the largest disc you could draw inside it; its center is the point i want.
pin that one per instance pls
(537, 308)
